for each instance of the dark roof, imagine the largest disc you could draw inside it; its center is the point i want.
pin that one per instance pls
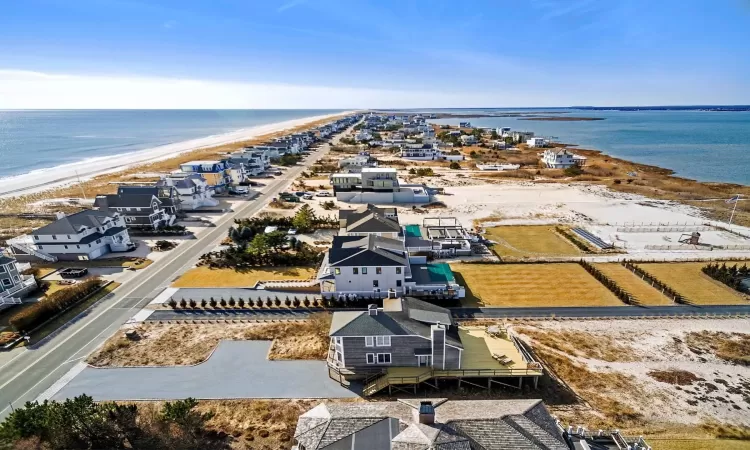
(371, 250)
(6, 260)
(72, 224)
(369, 219)
(414, 319)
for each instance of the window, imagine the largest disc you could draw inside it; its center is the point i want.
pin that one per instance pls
(382, 341)
(369, 341)
(17, 278)
(78, 246)
(7, 282)
(68, 236)
(40, 247)
(384, 358)
(398, 271)
(364, 271)
(375, 283)
(54, 237)
(355, 271)
(337, 271)
(378, 270)
(98, 241)
(371, 358)
(398, 283)
(36, 238)
(66, 247)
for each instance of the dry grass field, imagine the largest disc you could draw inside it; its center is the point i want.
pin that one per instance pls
(182, 344)
(519, 241)
(201, 277)
(688, 280)
(644, 292)
(531, 285)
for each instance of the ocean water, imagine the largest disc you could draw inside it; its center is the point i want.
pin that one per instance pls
(701, 145)
(33, 140)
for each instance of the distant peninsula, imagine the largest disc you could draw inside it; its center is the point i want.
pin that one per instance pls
(563, 119)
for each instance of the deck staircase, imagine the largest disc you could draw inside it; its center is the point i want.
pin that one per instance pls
(23, 244)
(383, 381)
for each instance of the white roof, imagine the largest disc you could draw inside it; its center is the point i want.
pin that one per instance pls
(216, 161)
(379, 169)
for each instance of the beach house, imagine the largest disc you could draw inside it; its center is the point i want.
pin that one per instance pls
(430, 424)
(377, 185)
(537, 142)
(427, 152)
(372, 266)
(14, 286)
(139, 206)
(255, 162)
(464, 124)
(438, 237)
(192, 190)
(215, 172)
(82, 236)
(562, 159)
(468, 139)
(520, 137)
(410, 341)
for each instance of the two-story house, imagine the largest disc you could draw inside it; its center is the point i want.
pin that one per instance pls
(562, 159)
(139, 206)
(191, 190)
(82, 236)
(406, 332)
(13, 285)
(216, 173)
(369, 219)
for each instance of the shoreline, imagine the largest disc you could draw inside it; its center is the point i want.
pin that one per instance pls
(59, 176)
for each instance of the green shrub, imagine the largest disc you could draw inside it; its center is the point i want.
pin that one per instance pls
(55, 303)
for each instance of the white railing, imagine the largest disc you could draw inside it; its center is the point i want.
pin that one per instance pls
(26, 245)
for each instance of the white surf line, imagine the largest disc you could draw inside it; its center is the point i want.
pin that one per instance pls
(62, 382)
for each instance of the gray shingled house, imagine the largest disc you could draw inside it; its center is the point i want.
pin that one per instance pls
(428, 424)
(141, 208)
(13, 285)
(369, 219)
(412, 333)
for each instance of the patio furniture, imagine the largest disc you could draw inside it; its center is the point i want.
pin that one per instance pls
(502, 359)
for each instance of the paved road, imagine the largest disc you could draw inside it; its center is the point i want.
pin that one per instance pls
(237, 369)
(24, 374)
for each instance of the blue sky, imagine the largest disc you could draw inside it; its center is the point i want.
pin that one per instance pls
(383, 53)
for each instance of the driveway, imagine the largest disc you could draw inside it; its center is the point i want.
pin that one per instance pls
(237, 369)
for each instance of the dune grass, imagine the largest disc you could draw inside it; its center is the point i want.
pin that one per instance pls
(531, 285)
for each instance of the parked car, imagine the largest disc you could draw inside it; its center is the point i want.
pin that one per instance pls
(307, 196)
(70, 272)
(300, 193)
(238, 190)
(324, 194)
(292, 231)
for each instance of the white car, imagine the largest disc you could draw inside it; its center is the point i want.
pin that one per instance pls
(324, 194)
(308, 196)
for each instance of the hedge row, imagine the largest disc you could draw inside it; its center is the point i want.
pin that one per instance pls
(666, 290)
(619, 292)
(43, 310)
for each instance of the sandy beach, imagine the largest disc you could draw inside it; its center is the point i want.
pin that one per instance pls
(43, 179)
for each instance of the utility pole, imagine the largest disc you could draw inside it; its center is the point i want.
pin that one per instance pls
(736, 200)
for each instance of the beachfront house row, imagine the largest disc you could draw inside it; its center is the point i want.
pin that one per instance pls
(140, 207)
(192, 190)
(431, 424)
(14, 286)
(215, 172)
(82, 236)
(562, 159)
(369, 219)
(371, 266)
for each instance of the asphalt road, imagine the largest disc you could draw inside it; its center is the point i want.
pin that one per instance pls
(26, 373)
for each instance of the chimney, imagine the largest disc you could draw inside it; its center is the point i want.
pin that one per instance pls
(426, 413)
(372, 310)
(59, 215)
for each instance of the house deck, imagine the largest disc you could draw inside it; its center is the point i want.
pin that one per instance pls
(477, 362)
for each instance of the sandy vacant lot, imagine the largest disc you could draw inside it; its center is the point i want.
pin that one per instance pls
(643, 375)
(206, 277)
(186, 344)
(531, 285)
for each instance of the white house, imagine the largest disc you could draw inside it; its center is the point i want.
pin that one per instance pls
(537, 142)
(468, 139)
(427, 152)
(13, 284)
(521, 136)
(561, 159)
(192, 189)
(82, 236)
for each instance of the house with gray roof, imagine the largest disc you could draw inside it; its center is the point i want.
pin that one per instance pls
(430, 424)
(406, 332)
(139, 206)
(372, 266)
(82, 236)
(193, 191)
(369, 219)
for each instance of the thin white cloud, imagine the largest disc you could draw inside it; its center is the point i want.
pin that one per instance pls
(169, 24)
(290, 4)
